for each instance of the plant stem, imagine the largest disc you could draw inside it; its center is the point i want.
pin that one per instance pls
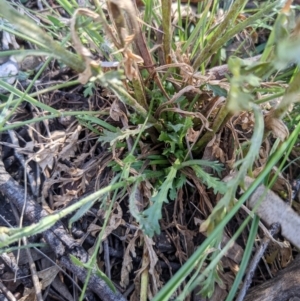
(167, 26)
(291, 95)
(219, 39)
(44, 41)
(139, 92)
(144, 275)
(227, 23)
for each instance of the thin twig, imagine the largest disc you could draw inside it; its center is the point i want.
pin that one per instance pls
(106, 258)
(20, 157)
(34, 276)
(255, 260)
(7, 293)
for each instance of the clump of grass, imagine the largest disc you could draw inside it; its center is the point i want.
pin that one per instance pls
(168, 110)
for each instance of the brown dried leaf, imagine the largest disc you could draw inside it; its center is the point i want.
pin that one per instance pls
(285, 255)
(147, 189)
(46, 187)
(227, 263)
(116, 112)
(130, 59)
(247, 121)
(152, 255)
(219, 293)
(115, 221)
(192, 135)
(45, 157)
(70, 145)
(28, 295)
(62, 288)
(153, 259)
(276, 126)
(218, 153)
(48, 275)
(80, 158)
(93, 229)
(235, 252)
(127, 261)
(63, 200)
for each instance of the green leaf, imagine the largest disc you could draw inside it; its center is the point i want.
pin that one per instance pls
(55, 21)
(175, 127)
(169, 139)
(89, 126)
(287, 52)
(144, 223)
(217, 90)
(215, 165)
(149, 219)
(112, 138)
(173, 193)
(81, 211)
(89, 89)
(88, 120)
(253, 80)
(100, 274)
(208, 286)
(76, 261)
(209, 180)
(177, 184)
(153, 213)
(130, 159)
(188, 123)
